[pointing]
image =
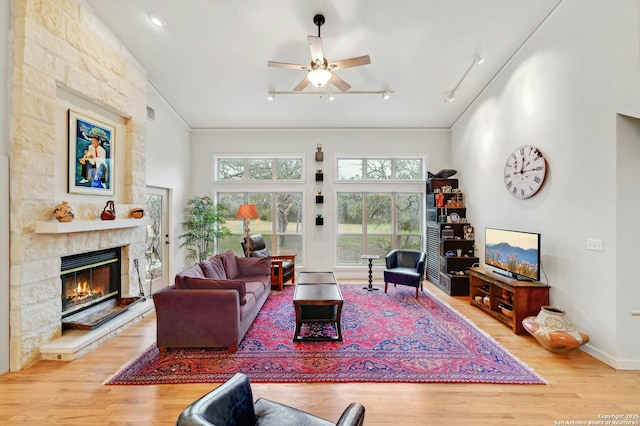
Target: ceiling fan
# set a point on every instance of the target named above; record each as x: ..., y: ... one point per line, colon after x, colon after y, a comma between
x: 320, y: 70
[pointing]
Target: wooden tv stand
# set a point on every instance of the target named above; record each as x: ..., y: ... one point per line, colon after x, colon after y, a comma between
x: 525, y: 298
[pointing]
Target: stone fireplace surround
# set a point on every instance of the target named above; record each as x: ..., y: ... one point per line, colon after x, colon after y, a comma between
x: 63, y: 57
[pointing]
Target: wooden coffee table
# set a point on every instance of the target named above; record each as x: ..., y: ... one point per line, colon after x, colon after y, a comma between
x: 317, y: 298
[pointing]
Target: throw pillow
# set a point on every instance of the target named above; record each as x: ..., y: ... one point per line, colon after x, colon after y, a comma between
x: 216, y: 262
x: 230, y: 265
x: 211, y: 284
x: 207, y: 270
x: 213, y: 268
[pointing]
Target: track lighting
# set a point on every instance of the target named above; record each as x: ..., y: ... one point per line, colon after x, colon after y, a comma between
x: 451, y: 97
x: 330, y: 95
x: 157, y: 20
x: 477, y: 60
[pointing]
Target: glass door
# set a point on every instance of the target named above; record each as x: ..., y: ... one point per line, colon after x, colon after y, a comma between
x: 157, y: 251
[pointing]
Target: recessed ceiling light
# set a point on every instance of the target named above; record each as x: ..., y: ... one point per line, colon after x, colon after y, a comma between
x: 157, y: 20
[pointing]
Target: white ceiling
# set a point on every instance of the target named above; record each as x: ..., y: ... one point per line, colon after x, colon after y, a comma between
x: 210, y: 61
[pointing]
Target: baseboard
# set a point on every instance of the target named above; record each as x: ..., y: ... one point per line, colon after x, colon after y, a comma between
x: 627, y: 364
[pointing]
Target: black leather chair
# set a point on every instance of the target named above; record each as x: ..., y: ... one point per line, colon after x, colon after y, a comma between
x: 283, y: 266
x: 231, y: 404
x: 405, y: 267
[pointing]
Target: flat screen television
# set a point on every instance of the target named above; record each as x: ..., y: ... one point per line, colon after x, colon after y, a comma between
x: 515, y: 254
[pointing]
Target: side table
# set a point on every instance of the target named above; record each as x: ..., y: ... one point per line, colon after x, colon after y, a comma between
x: 370, y: 258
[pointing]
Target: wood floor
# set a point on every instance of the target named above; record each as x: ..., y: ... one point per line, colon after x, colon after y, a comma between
x: 580, y: 388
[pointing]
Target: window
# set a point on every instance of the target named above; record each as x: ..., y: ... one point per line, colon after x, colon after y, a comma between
x: 280, y: 221
x: 279, y: 204
x: 385, y: 210
x: 376, y: 169
x: 259, y: 169
x: 375, y: 223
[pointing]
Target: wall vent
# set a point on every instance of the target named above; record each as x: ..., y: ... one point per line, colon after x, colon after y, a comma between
x: 151, y: 113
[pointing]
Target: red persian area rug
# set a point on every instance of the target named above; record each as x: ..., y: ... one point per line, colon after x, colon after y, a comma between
x: 387, y: 338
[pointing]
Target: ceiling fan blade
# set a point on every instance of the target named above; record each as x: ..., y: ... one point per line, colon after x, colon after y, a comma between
x: 304, y: 83
x: 315, y: 47
x: 350, y: 63
x: 287, y: 65
x: 339, y: 83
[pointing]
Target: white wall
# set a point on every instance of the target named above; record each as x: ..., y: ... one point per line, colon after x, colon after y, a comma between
x: 320, y: 243
x: 4, y: 190
x: 168, y: 155
x: 562, y: 93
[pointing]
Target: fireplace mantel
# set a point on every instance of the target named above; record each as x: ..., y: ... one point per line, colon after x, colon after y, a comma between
x: 88, y: 225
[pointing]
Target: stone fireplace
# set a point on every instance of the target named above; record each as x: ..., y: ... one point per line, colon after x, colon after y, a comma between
x: 64, y: 58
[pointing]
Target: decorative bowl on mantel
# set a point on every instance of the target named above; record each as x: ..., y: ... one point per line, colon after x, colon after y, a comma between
x: 137, y: 213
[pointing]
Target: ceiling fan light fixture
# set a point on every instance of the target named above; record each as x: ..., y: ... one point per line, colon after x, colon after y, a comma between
x: 319, y: 77
x: 157, y: 20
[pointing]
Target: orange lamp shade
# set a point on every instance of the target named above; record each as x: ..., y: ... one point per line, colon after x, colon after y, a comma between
x: 247, y: 211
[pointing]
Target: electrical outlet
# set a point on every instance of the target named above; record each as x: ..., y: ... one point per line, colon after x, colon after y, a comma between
x: 596, y: 245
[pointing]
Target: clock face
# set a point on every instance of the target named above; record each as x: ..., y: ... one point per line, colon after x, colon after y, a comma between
x: 524, y: 171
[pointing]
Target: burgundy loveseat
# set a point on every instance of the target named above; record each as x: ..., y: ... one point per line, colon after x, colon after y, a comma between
x: 212, y: 303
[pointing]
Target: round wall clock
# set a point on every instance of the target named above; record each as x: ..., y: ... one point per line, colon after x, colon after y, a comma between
x: 524, y: 171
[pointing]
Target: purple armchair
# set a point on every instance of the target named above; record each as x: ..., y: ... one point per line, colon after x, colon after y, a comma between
x: 405, y: 267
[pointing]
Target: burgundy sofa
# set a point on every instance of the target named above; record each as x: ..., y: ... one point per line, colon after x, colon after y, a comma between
x: 213, y: 303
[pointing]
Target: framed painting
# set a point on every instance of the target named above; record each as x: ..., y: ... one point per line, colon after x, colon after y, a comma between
x: 91, y: 155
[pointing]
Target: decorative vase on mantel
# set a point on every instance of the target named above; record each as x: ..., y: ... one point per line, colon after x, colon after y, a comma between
x: 63, y: 212
x: 553, y: 331
x: 109, y: 211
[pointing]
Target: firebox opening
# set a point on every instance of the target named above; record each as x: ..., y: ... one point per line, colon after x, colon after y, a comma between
x: 89, y: 279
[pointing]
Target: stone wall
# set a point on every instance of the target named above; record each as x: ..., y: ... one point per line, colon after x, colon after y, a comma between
x: 61, y: 47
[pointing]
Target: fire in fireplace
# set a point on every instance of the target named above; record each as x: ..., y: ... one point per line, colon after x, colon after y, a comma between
x: 89, y: 279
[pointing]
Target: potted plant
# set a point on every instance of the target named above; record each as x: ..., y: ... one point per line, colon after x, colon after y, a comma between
x: 203, y: 223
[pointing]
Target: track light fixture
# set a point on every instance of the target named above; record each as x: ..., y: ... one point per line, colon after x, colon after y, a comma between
x: 451, y: 97
x: 477, y: 60
x: 331, y: 95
